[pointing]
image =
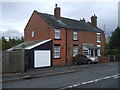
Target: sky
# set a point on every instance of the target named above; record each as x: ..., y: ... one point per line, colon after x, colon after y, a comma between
x: 15, y: 14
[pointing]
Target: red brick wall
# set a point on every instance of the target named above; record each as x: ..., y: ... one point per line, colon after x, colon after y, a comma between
x: 104, y: 59
x: 43, y: 32
x: 83, y: 37
x: 62, y: 60
x: 39, y: 26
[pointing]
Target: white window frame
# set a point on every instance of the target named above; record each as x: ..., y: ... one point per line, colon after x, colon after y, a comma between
x: 75, y: 50
x: 75, y: 35
x: 98, y: 51
x: 57, y: 33
x: 56, y: 51
x: 33, y: 34
x: 98, y: 37
x: 86, y: 52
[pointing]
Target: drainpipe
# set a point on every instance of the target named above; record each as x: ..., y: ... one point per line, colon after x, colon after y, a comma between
x: 66, y: 47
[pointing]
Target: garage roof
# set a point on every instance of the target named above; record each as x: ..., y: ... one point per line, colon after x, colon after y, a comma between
x: 29, y: 45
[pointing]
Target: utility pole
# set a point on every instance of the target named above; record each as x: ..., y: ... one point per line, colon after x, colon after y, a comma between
x: 119, y: 13
x: 104, y: 28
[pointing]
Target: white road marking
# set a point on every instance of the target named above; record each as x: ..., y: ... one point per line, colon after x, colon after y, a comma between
x: 91, y: 81
x: 88, y: 82
x: 96, y: 80
x: 106, y: 77
x: 116, y: 77
x: 70, y: 86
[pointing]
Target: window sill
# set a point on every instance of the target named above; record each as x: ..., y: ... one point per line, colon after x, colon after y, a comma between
x: 75, y: 40
x: 56, y: 39
x: 57, y: 58
x: 99, y: 41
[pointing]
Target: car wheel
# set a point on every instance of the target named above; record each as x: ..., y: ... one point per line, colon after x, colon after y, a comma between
x: 89, y: 62
x: 75, y: 63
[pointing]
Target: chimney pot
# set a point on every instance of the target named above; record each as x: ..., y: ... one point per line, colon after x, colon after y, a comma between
x: 56, y: 5
x: 82, y: 19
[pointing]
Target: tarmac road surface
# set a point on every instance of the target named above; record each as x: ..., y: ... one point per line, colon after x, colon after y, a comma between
x: 99, y: 76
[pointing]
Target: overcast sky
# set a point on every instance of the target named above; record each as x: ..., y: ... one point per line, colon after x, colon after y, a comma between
x: 15, y: 15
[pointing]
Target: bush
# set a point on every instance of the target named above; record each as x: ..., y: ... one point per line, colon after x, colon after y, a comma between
x: 111, y: 52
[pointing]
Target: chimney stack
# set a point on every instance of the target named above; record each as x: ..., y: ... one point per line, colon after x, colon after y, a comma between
x: 57, y: 12
x: 94, y: 20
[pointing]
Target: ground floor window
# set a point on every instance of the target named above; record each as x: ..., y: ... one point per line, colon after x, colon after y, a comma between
x: 75, y: 50
x: 93, y: 52
x: 56, y: 51
x: 98, y: 51
x: 86, y: 52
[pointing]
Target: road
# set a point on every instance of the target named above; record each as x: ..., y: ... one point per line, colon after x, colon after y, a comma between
x: 99, y: 76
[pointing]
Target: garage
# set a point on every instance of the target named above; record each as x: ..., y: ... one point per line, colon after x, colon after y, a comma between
x: 37, y: 54
x: 40, y: 55
x: 42, y: 58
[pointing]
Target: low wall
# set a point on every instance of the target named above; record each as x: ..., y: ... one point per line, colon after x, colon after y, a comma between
x: 12, y: 62
x: 109, y: 58
x: 104, y: 59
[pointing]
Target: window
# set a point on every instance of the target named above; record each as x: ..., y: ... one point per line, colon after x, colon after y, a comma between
x: 57, y: 33
x: 86, y: 52
x: 75, y: 36
x: 33, y: 33
x: 75, y: 50
x: 98, y: 37
x: 56, y: 51
x: 98, y: 51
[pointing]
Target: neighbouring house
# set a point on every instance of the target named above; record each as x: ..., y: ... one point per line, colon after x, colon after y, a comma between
x: 69, y: 37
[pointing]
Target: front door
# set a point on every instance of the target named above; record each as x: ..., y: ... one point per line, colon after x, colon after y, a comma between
x: 91, y: 52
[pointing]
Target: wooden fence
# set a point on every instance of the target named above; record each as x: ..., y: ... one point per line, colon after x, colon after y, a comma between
x: 12, y: 62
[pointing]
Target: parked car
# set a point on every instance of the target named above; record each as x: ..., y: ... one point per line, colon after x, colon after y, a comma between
x: 84, y: 59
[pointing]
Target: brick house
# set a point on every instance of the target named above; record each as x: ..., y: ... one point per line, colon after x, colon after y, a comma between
x: 69, y: 36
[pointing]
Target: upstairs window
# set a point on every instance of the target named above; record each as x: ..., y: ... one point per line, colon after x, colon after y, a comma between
x: 57, y: 33
x: 75, y: 50
x: 33, y: 33
x: 75, y: 35
x: 56, y: 51
x: 98, y: 37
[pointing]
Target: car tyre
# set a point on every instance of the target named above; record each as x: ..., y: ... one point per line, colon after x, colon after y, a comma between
x: 89, y: 62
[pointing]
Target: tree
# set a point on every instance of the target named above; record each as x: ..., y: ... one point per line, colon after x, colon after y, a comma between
x: 115, y: 39
x: 4, y: 43
x: 114, y: 43
x: 11, y: 42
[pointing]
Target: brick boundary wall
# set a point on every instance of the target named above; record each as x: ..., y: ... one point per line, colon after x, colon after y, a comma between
x: 104, y: 59
x: 107, y: 59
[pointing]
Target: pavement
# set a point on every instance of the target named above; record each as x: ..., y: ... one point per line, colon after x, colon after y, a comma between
x: 48, y: 71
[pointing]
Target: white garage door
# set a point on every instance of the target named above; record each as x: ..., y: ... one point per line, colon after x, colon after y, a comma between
x: 42, y: 58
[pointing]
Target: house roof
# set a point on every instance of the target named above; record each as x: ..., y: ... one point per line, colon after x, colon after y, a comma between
x: 29, y: 45
x: 68, y: 23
